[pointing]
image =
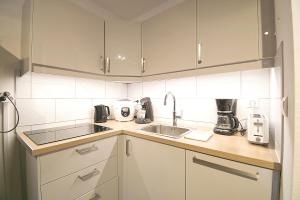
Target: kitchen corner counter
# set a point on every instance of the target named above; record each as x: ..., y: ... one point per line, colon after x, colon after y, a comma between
x: 235, y: 148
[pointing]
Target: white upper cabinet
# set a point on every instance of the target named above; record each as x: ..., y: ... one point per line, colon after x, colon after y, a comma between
x: 59, y: 34
x: 66, y: 36
x: 169, y: 40
x: 123, y: 48
x: 227, y: 32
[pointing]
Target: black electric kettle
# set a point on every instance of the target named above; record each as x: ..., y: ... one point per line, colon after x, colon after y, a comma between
x: 101, y: 113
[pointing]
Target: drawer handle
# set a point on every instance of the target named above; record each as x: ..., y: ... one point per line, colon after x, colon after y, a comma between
x: 226, y: 169
x: 89, y: 175
x: 96, y: 197
x: 86, y: 150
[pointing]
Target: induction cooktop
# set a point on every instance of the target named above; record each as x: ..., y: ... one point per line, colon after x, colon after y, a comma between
x: 45, y: 136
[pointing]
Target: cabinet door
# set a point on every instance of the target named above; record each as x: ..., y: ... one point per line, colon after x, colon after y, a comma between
x: 107, y: 191
x: 123, y: 48
x: 67, y: 36
x: 227, y: 32
x: 169, y: 39
x: 213, y: 178
x: 152, y: 171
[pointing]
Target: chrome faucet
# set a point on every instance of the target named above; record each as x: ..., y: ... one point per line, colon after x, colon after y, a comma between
x: 174, y: 107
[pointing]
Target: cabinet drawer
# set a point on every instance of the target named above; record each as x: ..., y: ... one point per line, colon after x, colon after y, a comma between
x: 62, y: 163
x: 79, y: 183
x: 209, y: 178
x: 107, y: 191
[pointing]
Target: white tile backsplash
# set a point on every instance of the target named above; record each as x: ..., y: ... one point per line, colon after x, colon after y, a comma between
x: 196, y: 95
x: 154, y: 89
x: 225, y: 85
x: 23, y: 85
x: 275, y: 82
x: 84, y: 108
x: 195, y: 109
x: 183, y: 87
x: 36, y: 111
x: 89, y: 88
x: 244, y: 107
x: 49, y: 86
x: 48, y: 100
x: 84, y: 121
x: 255, y: 83
x: 160, y: 110
x: 135, y: 90
x: 72, y: 109
x: 116, y: 90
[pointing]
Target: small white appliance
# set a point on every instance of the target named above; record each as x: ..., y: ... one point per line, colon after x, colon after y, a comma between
x: 258, y: 129
x: 124, y: 110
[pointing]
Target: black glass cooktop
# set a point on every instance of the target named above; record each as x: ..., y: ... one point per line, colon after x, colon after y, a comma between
x: 45, y: 136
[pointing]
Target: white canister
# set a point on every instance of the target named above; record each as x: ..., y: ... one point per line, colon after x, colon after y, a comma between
x: 124, y: 110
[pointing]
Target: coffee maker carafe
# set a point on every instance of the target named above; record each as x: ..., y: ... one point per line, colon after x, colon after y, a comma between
x: 227, y: 122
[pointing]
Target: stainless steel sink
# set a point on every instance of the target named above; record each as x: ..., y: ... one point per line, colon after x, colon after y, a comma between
x: 169, y: 131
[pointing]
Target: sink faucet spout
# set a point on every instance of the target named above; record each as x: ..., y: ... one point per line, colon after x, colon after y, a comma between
x: 174, y: 107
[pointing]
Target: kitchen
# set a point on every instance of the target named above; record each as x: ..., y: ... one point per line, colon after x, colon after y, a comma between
x: 190, y: 98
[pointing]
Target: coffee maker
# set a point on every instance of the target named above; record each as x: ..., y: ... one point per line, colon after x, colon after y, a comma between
x: 146, y: 111
x: 227, y: 123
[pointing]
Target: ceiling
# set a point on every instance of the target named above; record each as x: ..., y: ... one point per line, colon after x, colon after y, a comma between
x: 135, y: 9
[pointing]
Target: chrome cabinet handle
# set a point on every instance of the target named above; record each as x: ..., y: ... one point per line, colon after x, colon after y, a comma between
x: 96, y: 197
x: 143, y: 61
x: 107, y: 64
x: 199, y: 48
x: 229, y: 170
x: 285, y: 106
x: 127, y: 147
x: 89, y: 175
x: 86, y: 150
x: 102, y: 64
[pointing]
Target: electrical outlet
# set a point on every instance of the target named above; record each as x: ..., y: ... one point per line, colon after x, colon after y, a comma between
x: 254, y: 103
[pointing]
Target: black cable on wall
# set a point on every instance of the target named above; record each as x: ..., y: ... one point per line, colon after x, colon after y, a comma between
x: 3, y: 97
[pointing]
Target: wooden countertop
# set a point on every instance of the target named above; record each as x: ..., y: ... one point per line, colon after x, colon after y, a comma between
x: 236, y: 147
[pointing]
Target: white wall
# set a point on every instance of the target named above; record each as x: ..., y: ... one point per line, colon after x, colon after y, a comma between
x: 8, y: 142
x: 276, y: 117
x: 296, y: 37
x: 10, y: 37
x: 49, y: 100
x: 196, y: 95
x: 284, y: 32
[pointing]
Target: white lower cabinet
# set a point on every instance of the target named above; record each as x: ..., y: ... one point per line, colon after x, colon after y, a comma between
x: 139, y: 169
x: 212, y: 178
x: 75, y: 185
x: 151, y: 171
x: 77, y: 172
x: 107, y: 191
